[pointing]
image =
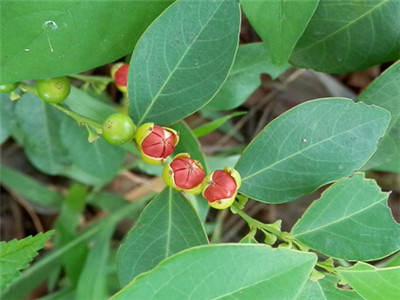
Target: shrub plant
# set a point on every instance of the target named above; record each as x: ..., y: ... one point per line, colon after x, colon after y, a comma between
x: 171, y: 60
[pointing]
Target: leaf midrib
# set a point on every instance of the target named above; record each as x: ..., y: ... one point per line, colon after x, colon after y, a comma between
x: 345, y: 27
x: 383, y: 197
x: 154, y: 100
x: 306, y: 148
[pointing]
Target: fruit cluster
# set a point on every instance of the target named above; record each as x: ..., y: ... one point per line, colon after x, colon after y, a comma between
x: 155, y: 143
x: 183, y: 173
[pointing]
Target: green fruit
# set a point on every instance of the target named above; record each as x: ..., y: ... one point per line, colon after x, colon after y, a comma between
x: 54, y: 90
x: 118, y: 129
x: 8, y: 87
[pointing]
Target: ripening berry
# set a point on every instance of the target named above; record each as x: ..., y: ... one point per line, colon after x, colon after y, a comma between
x: 220, y: 187
x: 184, y: 173
x: 119, y: 73
x: 53, y: 90
x: 156, y: 143
x: 118, y: 129
x: 8, y: 87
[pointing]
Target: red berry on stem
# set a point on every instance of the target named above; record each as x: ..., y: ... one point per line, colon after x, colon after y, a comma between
x: 184, y: 173
x: 119, y: 72
x: 156, y: 143
x: 220, y: 187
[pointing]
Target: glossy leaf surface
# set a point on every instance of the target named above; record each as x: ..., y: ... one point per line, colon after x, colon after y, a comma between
x: 310, y: 145
x: 349, y: 35
x: 42, y: 39
x: 364, y: 223
x: 279, y: 23
x: 384, y: 92
x: 244, y: 78
x: 182, y: 60
x: 371, y: 282
x: 167, y: 225
x: 224, y: 272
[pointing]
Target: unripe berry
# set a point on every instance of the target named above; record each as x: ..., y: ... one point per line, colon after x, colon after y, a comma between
x: 184, y: 173
x: 8, y: 87
x: 220, y: 187
x: 156, y: 143
x: 53, y: 90
x: 118, y: 129
x: 119, y: 73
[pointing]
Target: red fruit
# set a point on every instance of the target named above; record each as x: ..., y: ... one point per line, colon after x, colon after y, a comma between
x: 119, y: 72
x: 156, y: 143
x: 184, y: 173
x: 221, y: 186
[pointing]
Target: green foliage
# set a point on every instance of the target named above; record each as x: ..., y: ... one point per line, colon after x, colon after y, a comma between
x: 29, y: 188
x: 310, y: 145
x: 167, y: 225
x: 214, y: 125
x: 212, y: 272
x: 384, y: 92
x: 93, y: 280
x: 40, y: 126
x: 349, y: 35
x: 41, y: 270
x: 178, y: 65
x: 6, y: 117
x: 185, y: 56
x: 326, y: 229
x: 100, y: 159
x: 371, y: 282
x: 42, y: 39
x: 244, y: 78
x: 16, y: 256
x: 279, y: 23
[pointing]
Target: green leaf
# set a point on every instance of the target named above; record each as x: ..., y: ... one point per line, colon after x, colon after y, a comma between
x: 40, y: 125
x: 93, y: 280
x: 84, y: 104
x: 42, y: 269
x: 182, y: 60
x: 99, y: 158
x: 166, y: 226
x: 244, y: 78
x: 222, y: 272
x: 349, y: 35
x: 16, y: 255
x: 66, y: 226
x: 373, y: 283
x: 384, y: 92
x: 326, y: 288
x: 53, y: 38
x: 279, y: 23
x: 214, y: 125
x: 313, y: 144
x: 29, y: 188
x: 355, y: 203
x: 7, y: 121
